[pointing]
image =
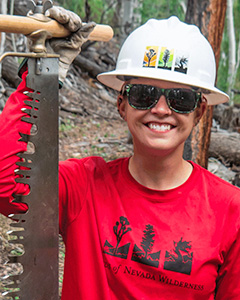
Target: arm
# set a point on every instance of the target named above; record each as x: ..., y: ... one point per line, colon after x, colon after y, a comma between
x: 10, y: 120
x: 10, y: 128
x: 228, y: 281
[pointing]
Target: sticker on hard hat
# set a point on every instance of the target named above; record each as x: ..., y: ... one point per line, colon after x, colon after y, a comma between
x: 168, y: 59
x: 150, y: 57
x: 181, y: 61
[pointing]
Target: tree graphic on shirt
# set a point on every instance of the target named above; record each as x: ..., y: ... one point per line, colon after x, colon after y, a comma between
x: 120, y: 229
x: 180, y: 258
x: 145, y: 255
x: 147, y: 240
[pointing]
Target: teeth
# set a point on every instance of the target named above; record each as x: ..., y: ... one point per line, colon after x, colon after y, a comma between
x: 159, y: 127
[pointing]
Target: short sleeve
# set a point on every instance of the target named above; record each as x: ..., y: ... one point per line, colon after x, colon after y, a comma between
x: 72, y: 189
x: 228, y: 281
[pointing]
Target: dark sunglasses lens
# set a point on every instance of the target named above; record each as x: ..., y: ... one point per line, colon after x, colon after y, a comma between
x: 143, y: 96
x: 182, y: 100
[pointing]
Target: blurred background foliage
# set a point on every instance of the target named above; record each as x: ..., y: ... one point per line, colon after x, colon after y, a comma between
x: 112, y: 12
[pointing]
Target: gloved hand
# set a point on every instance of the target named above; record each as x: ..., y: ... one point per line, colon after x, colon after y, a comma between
x: 68, y: 48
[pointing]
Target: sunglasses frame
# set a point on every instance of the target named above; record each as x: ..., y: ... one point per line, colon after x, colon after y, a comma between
x: 165, y: 92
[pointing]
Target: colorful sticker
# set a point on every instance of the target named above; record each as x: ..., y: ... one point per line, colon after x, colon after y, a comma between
x: 181, y: 62
x: 166, y: 58
x: 150, y: 57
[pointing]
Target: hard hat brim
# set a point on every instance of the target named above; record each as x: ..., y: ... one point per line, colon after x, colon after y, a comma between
x: 212, y: 94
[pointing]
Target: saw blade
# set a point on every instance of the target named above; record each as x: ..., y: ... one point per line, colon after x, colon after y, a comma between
x: 38, y: 228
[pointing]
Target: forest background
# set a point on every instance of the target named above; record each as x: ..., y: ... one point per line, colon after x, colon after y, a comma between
x: 89, y: 122
x: 126, y: 15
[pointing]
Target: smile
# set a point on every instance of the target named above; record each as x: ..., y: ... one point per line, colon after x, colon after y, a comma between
x: 159, y: 127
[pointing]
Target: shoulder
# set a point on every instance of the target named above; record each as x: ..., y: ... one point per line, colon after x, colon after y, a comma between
x: 220, y: 191
x: 213, y: 180
x: 91, y: 164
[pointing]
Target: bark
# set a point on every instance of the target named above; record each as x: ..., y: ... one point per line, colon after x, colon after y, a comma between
x: 206, y: 14
x: 231, y: 49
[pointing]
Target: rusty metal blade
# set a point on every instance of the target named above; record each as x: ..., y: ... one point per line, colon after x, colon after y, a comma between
x: 39, y: 226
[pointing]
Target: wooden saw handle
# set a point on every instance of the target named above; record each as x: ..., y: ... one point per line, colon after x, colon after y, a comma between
x: 26, y: 25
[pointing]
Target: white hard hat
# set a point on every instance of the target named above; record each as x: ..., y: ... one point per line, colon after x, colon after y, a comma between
x: 167, y: 50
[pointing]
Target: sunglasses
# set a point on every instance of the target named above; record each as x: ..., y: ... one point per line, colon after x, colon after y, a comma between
x: 142, y: 96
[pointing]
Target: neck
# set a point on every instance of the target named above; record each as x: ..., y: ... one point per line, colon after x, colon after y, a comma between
x: 159, y: 172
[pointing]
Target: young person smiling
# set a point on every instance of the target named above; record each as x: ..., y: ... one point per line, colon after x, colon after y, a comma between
x: 152, y: 226
x: 159, y: 134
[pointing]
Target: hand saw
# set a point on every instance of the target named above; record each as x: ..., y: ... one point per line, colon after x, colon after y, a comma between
x: 37, y: 230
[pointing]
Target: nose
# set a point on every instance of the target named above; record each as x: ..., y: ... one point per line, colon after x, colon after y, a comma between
x: 161, y: 107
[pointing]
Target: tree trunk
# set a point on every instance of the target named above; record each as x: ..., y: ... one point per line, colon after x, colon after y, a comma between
x: 3, y: 10
x: 128, y: 17
x: 231, y: 49
x: 206, y: 14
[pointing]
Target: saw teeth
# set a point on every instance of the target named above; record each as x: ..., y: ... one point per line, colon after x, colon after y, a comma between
x: 18, y: 200
x: 25, y: 156
x: 33, y: 104
x: 30, y: 120
x: 25, y: 164
x: 23, y: 180
x: 17, y: 217
x: 13, y: 259
x: 19, y: 237
x: 24, y: 137
x: 18, y: 224
x: 29, y: 94
x: 33, y: 95
x: 14, y: 295
x: 26, y: 110
x: 14, y: 281
x: 25, y: 173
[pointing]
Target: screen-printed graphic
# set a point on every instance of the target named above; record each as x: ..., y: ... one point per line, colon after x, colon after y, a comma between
x: 180, y: 258
x: 145, y: 255
x: 166, y: 58
x: 181, y: 62
x: 150, y: 57
x: 120, y: 229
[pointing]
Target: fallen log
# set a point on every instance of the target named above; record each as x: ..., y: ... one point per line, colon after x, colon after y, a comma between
x: 88, y: 66
x: 225, y: 146
x: 227, y: 116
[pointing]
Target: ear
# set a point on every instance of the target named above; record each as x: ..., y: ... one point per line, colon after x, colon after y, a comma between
x: 121, y: 105
x: 198, y: 113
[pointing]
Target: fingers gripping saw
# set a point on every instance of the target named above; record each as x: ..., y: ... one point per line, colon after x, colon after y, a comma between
x: 40, y: 27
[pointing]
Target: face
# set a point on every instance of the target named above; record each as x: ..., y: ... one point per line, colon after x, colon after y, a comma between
x: 159, y: 130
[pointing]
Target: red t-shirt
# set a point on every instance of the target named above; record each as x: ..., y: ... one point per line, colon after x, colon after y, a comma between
x: 125, y: 241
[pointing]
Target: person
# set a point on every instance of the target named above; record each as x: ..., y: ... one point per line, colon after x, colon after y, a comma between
x: 149, y: 226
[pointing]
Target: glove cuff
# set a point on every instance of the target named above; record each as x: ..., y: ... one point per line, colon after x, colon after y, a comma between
x: 22, y: 67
